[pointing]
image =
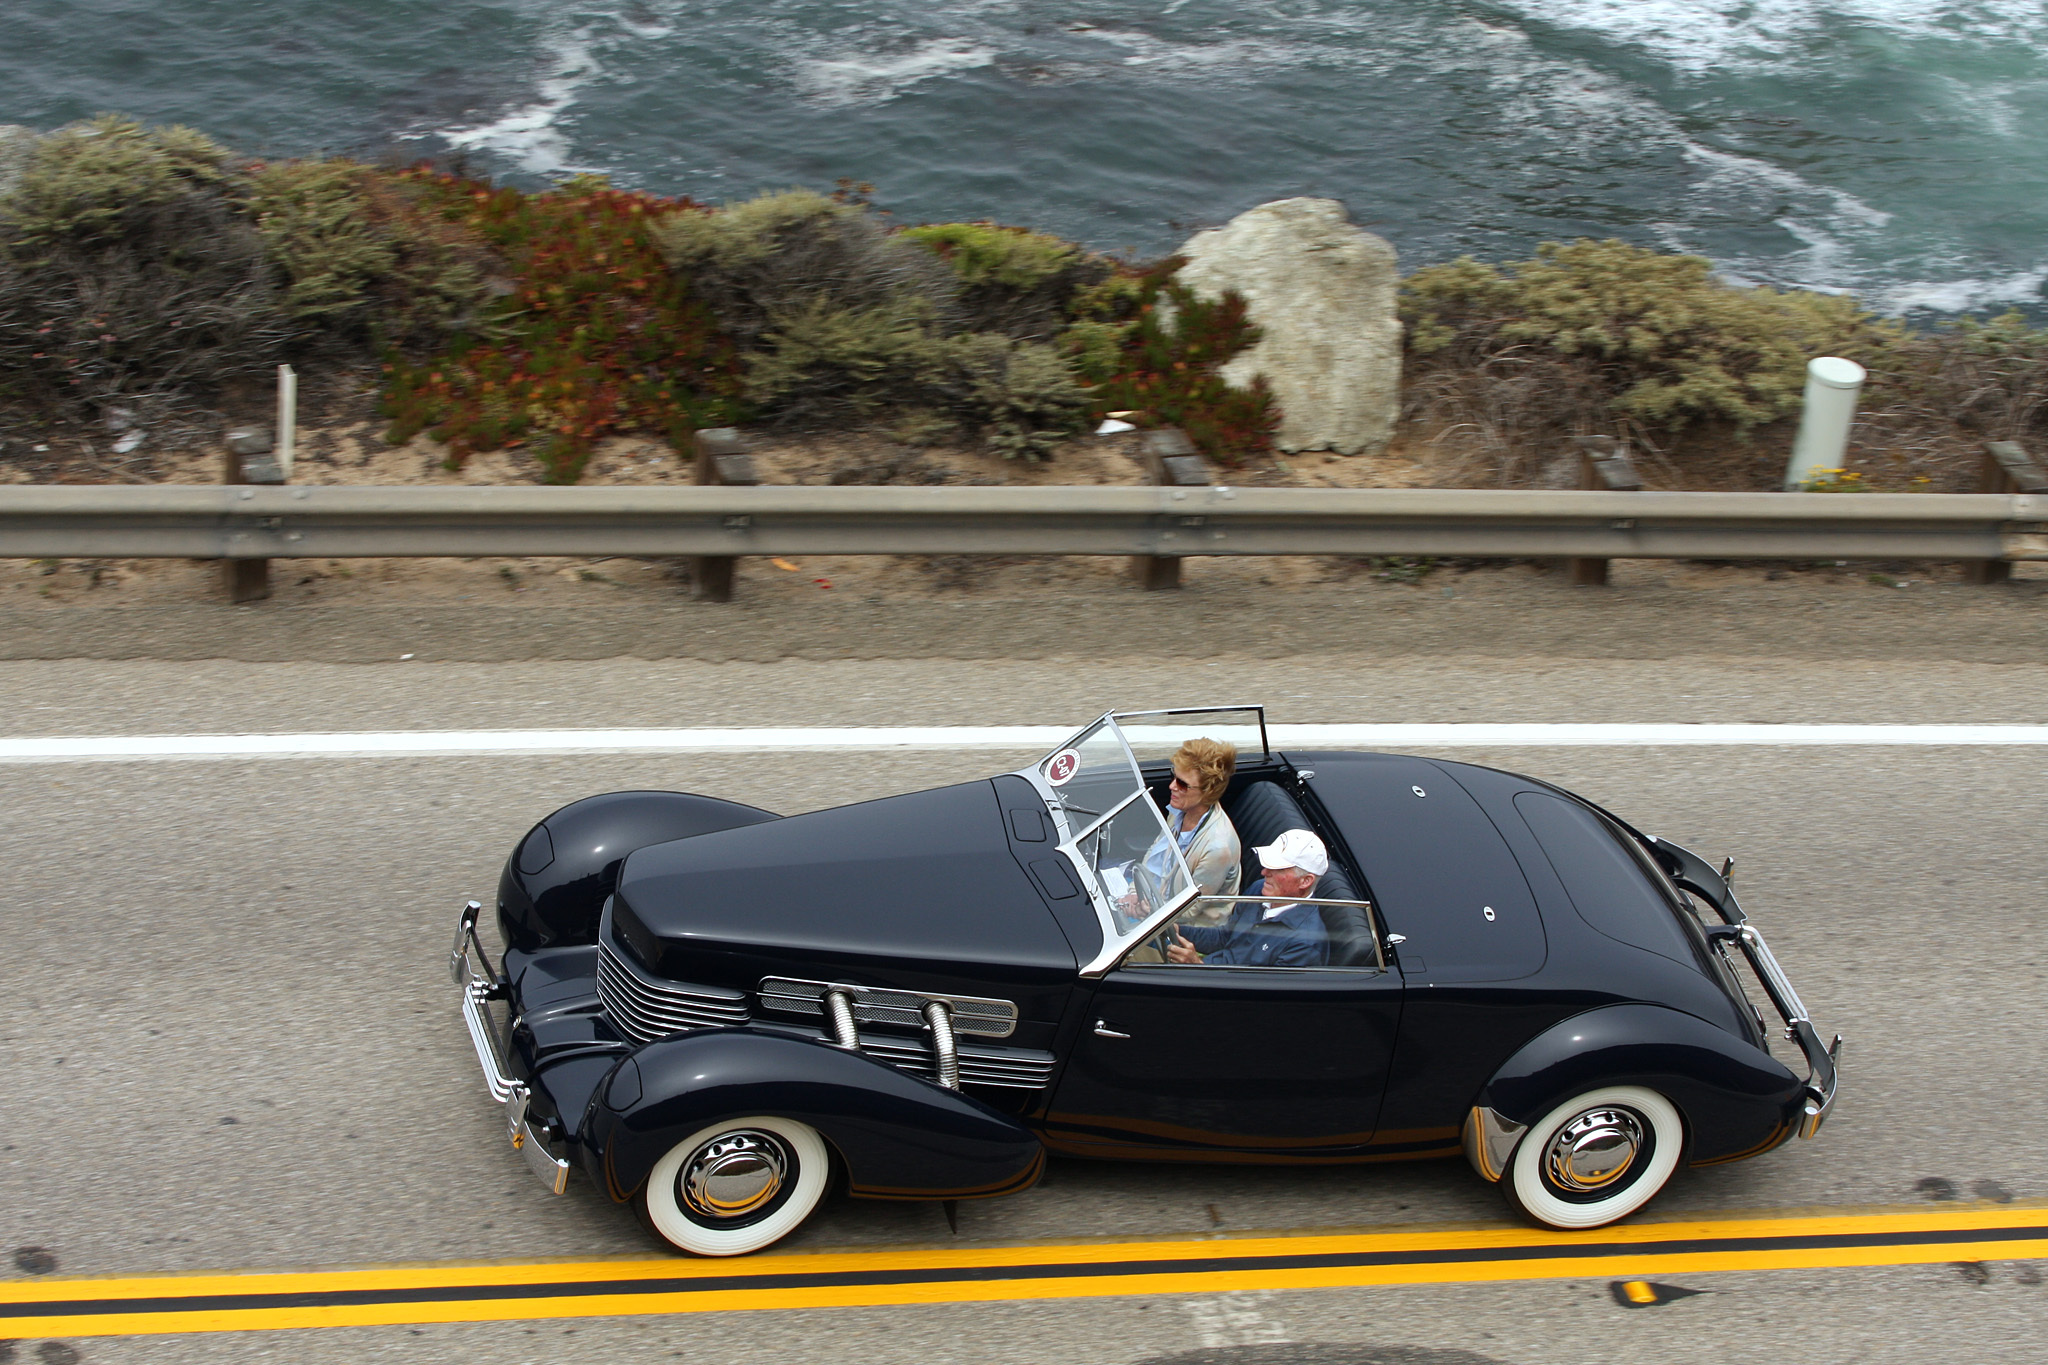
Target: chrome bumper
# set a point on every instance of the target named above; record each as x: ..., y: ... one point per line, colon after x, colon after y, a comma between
x: 1820, y: 1061
x: 1695, y: 874
x: 479, y: 988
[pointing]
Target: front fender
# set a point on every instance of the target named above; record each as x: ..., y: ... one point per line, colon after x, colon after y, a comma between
x: 901, y: 1137
x: 555, y: 883
x: 1737, y: 1100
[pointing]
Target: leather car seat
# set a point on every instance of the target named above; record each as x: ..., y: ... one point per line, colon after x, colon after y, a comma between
x: 1261, y: 813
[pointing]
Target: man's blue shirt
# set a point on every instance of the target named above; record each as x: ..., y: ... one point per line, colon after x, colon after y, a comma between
x: 1293, y: 938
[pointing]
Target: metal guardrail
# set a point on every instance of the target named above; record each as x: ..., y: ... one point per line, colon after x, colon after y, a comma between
x: 284, y: 522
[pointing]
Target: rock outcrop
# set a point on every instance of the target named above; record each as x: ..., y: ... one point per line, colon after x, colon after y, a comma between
x: 1324, y: 291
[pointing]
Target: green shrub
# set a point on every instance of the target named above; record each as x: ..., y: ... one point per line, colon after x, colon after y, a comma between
x: 103, y: 178
x: 1610, y: 338
x: 129, y: 272
x: 985, y: 253
x: 1665, y: 340
x: 822, y: 362
x: 763, y: 263
x: 738, y: 236
x: 367, y: 255
x: 840, y: 319
x: 1151, y: 344
x: 1024, y: 393
x: 1012, y: 280
x: 314, y: 217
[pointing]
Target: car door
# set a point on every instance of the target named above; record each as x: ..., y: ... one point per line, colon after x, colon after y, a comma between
x: 1199, y: 1060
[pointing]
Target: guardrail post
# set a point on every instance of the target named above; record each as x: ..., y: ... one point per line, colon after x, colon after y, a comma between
x: 2006, y: 469
x: 1171, y: 461
x: 1603, y: 467
x: 250, y: 459
x: 722, y: 458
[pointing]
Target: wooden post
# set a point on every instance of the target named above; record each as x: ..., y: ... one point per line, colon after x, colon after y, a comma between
x: 2006, y: 469
x: 722, y: 458
x: 1171, y: 461
x: 249, y: 460
x: 1604, y: 467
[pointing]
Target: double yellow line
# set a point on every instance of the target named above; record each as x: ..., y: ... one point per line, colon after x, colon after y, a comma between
x: 264, y: 1301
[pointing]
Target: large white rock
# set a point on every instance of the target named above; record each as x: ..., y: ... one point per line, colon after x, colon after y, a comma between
x: 1324, y: 290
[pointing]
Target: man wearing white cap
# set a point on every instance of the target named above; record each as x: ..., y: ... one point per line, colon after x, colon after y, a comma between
x: 1269, y: 933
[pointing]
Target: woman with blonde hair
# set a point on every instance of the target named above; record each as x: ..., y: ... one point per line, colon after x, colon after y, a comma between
x: 1202, y: 769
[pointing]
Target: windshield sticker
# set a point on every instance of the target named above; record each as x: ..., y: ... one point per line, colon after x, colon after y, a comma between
x: 1061, y: 767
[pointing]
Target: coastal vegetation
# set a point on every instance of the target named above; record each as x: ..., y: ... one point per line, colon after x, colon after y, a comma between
x: 129, y: 268
x: 1605, y: 337
x: 147, y: 269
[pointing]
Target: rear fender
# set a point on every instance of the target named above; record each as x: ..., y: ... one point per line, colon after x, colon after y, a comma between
x: 1737, y: 1100
x: 901, y: 1137
x: 556, y: 881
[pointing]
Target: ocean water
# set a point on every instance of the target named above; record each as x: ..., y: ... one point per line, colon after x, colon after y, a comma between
x: 1897, y: 149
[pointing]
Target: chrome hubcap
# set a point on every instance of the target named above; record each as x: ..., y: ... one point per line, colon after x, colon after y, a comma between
x: 733, y: 1175
x: 1594, y: 1150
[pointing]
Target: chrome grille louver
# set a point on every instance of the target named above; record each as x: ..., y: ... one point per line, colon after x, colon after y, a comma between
x: 646, y: 1007
x: 973, y: 1014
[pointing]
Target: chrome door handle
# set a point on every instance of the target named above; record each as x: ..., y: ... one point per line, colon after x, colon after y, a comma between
x: 1103, y: 1030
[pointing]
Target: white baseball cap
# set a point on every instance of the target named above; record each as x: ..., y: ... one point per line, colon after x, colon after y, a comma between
x: 1296, y: 848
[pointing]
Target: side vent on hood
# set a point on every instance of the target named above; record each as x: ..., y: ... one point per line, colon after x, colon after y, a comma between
x: 971, y: 1014
x: 644, y: 1007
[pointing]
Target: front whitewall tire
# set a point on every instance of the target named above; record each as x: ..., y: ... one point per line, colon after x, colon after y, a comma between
x: 806, y: 1171
x: 1541, y: 1172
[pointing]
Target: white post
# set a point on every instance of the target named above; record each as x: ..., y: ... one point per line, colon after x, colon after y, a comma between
x: 287, y: 417
x: 1832, y: 385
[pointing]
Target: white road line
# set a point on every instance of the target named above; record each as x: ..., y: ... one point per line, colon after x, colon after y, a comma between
x: 1022, y: 738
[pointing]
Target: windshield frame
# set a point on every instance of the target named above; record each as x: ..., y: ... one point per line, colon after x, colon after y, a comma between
x: 1117, y: 943
x: 1258, y: 709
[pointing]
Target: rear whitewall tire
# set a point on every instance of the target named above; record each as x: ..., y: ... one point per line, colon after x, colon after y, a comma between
x: 806, y: 1174
x: 1532, y: 1183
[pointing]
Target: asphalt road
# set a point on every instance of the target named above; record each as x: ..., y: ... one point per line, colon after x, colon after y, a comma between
x: 227, y: 1039
x: 958, y: 607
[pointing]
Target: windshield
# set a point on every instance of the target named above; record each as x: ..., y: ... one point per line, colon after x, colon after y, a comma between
x: 1091, y: 775
x: 1136, y: 863
x: 1137, y: 870
x: 1154, y: 735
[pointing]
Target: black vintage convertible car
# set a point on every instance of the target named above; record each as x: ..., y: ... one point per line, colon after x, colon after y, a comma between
x: 719, y: 1013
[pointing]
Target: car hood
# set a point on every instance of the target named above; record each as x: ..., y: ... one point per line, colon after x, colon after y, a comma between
x: 916, y: 892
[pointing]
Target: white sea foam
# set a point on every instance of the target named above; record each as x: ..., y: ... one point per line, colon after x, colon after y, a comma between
x: 528, y: 135
x: 1702, y: 35
x: 1963, y: 296
x: 1728, y: 171
x: 871, y: 77
x: 1590, y: 112
x: 1989, y: 105
x: 1209, y: 56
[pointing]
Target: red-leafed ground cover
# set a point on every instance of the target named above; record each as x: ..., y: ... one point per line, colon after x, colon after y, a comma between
x: 596, y: 335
